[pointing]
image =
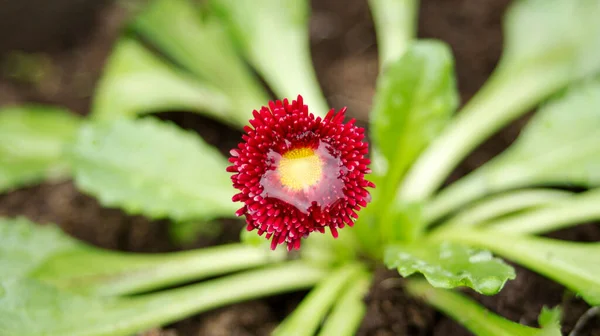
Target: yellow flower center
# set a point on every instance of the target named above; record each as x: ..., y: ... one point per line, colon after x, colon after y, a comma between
x: 300, y: 169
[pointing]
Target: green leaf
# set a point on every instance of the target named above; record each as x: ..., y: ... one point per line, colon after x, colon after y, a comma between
x: 449, y: 265
x: 26, y: 247
x: 402, y: 221
x: 47, y: 254
x: 479, y: 320
x: 307, y: 317
x: 136, y: 82
x: 415, y: 100
x: 416, y: 96
x: 348, y: 312
x: 152, y: 168
x: 572, y: 264
x: 32, y: 139
x: 504, y: 204
x: 559, y: 146
x: 550, y: 317
x: 199, y: 42
x: 548, y: 45
x: 273, y: 34
x: 324, y: 249
x: 577, y: 209
x: 561, y: 36
x: 31, y: 308
x: 395, y: 25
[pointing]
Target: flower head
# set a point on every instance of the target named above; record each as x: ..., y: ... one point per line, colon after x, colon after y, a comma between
x: 297, y: 174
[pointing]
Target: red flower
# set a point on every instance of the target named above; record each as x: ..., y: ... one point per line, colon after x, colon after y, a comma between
x: 297, y: 173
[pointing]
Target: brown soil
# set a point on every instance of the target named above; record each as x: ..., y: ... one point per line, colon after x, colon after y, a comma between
x: 72, y: 39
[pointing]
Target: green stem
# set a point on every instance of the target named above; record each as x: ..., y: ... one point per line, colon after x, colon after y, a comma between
x: 135, y: 81
x: 579, y: 209
x: 396, y: 25
x: 363, y: 230
x: 508, y: 94
x: 495, y: 176
x: 203, y: 47
x: 497, y: 206
x: 307, y: 317
x: 166, y: 307
x: 348, y: 312
x: 274, y: 37
x: 467, y: 312
x: 110, y: 273
x: 389, y: 211
x: 458, y: 194
x: 290, y: 71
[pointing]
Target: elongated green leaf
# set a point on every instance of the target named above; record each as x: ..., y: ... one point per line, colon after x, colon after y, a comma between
x: 395, y: 25
x: 577, y: 209
x: 32, y: 139
x: 559, y: 35
x: 307, y: 317
x: 26, y: 247
x: 400, y: 221
x: 326, y: 250
x: 559, y: 146
x: 200, y: 43
x: 47, y: 254
x: 574, y: 265
x: 349, y: 310
x: 31, y: 308
x: 273, y: 34
x: 136, y: 82
x: 416, y: 96
x: 152, y: 168
x: 109, y: 273
x: 549, y: 44
x: 479, y: 320
x: 449, y: 265
x: 490, y: 208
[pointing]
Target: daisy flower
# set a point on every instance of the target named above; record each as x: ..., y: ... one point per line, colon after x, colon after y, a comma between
x: 297, y: 174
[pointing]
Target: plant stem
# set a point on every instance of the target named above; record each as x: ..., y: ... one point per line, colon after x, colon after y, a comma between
x: 307, y: 317
x: 173, y: 305
x: 365, y: 230
x: 350, y: 309
x: 467, y: 312
x: 135, y: 81
x: 396, y: 24
x: 497, y: 206
x: 495, y: 176
x: 274, y: 36
x: 451, y: 198
x: 579, y: 209
x: 508, y: 94
x: 290, y: 72
x: 205, y: 49
x: 109, y: 273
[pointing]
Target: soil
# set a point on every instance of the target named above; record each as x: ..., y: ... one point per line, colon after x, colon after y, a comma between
x: 69, y: 40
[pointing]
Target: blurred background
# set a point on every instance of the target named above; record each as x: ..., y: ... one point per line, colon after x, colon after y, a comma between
x: 53, y: 52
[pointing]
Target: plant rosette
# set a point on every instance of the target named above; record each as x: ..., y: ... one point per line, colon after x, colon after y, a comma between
x: 304, y: 178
